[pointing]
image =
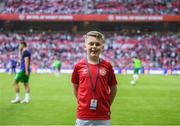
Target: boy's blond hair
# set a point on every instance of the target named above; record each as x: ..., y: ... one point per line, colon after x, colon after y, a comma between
x: 95, y: 34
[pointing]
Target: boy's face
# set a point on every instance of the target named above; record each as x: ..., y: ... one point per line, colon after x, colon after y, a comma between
x: 93, y: 46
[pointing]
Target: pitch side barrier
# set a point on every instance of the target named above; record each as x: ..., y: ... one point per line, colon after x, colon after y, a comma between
x: 156, y: 71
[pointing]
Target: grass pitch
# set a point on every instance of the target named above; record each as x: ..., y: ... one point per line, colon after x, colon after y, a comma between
x: 155, y: 100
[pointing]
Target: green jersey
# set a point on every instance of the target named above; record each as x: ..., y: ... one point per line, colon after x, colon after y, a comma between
x: 137, y: 63
x: 56, y: 64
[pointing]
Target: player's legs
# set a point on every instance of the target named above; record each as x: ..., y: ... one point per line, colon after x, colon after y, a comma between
x: 27, y: 92
x: 56, y: 71
x: 136, y: 73
x: 17, y: 79
x: 135, y: 76
x: 27, y: 89
x: 14, y: 70
x: 59, y: 69
x: 11, y: 70
x: 17, y: 90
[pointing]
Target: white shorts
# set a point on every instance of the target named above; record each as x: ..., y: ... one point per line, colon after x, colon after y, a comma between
x: 80, y: 122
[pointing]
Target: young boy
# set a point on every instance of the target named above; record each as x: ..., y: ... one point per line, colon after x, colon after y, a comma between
x: 23, y: 74
x: 94, y: 84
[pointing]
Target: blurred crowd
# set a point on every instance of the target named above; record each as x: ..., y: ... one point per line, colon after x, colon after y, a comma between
x: 161, y: 7
x: 156, y: 50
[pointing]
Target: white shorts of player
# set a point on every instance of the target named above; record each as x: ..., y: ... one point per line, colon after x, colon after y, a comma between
x: 80, y: 122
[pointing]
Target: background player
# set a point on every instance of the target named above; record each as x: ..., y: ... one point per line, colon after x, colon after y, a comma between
x: 23, y: 74
x: 13, y: 65
x: 56, y: 66
x: 137, y: 67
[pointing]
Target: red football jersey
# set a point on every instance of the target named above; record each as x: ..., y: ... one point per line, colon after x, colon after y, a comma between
x: 106, y: 79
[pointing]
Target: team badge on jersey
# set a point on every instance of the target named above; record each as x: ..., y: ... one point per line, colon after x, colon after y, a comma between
x: 102, y: 72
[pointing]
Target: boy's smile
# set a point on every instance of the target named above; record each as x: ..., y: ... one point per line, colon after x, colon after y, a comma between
x: 93, y: 51
x: 93, y: 46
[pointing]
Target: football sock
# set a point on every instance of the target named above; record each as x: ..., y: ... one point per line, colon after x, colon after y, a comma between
x: 17, y: 95
x: 27, y: 96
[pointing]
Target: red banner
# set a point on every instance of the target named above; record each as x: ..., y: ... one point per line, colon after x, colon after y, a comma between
x: 90, y: 17
x: 9, y: 17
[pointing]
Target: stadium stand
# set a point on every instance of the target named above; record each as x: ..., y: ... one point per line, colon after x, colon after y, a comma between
x: 159, y: 48
x: 156, y: 50
x: 157, y: 7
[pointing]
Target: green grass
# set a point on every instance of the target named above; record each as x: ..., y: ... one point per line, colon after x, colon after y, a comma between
x: 155, y: 100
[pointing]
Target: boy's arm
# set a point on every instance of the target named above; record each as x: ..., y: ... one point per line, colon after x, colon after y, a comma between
x: 75, y: 89
x: 113, y: 91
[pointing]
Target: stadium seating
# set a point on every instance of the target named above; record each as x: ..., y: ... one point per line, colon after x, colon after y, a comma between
x: 156, y: 50
x: 161, y: 7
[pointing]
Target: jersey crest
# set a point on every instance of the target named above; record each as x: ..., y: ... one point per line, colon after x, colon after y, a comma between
x: 102, y: 72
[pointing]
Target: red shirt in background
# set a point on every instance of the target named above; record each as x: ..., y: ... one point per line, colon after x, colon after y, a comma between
x: 106, y: 79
